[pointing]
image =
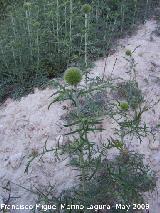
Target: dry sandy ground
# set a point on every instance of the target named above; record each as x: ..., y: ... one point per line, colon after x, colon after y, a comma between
x: 26, y: 124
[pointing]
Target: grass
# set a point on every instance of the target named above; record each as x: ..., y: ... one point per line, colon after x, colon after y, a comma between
x: 40, y: 39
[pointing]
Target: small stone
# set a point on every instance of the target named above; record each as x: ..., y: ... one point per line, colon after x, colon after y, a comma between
x: 154, y: 145
x: 16, y: 160
x: 156, y: 160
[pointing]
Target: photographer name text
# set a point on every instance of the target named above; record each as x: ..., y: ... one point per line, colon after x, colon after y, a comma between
x: 74, y: 207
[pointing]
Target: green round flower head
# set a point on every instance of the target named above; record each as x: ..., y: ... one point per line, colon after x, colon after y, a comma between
x: 27, y: 4
x: 86, y: 8
x: 36, y: 24
x: 73, y: 76
x: 128, y: 52
x: 124, y: 106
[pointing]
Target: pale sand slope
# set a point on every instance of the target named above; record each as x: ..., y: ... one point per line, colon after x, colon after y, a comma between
x: 25, y: 125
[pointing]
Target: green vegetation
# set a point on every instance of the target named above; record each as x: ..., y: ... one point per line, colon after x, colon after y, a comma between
x: 73, y: 76
x: 100, y: 179
x: 124, y: 106
x: 39, y: 39
x: 118, y: 181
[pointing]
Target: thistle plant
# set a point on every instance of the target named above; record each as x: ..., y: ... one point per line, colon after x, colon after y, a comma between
x: 73, y: 76
x: 132, y: 65
x: 97, y: 175
x: 132, y: 83
x: 131, y: 124
x: 81, y: 125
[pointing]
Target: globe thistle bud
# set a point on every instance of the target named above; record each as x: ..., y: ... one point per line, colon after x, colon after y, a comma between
x: 128, y: 53
x: 86, y: 8
x: 124, y: 106
x: 27, y: 5
x: 73, y: 76
x: 36, y: 24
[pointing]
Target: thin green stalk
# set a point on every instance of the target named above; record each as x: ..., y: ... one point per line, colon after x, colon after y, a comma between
x: 65, y: 18
x: 14, y: 56
x: 97, y: 11
x: 135, y: 11
x: 70, y: 24
x: 29, y: 30
x: 38, y: 43
x: 86, y: 39
x: 122, y: 16
x: 3, y: 54
x: 53, y: 26
x: 38, y: 50
x: 81, y: 159
x: 81, y: 156
x: 57, y: 15
x: 14, y: 32
x: 13, y: 25
x: 106, y: 27
x: 146, y: 9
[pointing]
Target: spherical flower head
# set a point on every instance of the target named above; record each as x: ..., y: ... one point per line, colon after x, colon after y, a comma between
x: 73, y: 76
x: 124, y: 106
x: 86, y: 8
x: 128, y: 53
x: 27, y: 4
x: 36, y: 24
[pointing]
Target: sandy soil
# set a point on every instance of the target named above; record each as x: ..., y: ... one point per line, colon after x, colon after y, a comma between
x: 26, y: 124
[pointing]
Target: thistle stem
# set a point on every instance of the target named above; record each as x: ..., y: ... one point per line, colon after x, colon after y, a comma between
x: 70, y: 25
x: 86, y: 29
x: 29, y: 30
x: 57, y: 15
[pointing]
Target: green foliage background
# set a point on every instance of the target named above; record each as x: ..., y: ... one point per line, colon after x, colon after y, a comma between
x: 39, y: 39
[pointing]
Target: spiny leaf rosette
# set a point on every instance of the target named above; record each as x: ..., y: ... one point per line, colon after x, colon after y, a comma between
x: 73, y: 76
x: 86, y: 8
